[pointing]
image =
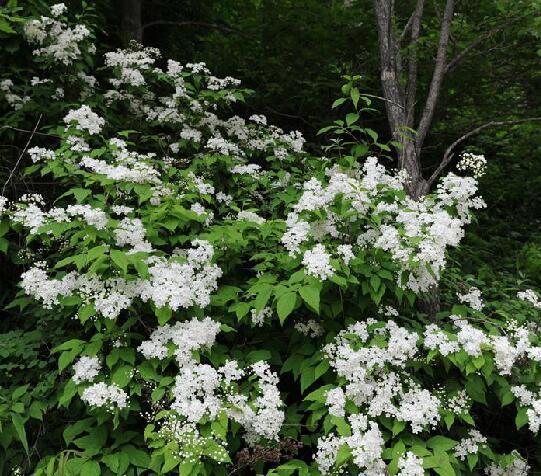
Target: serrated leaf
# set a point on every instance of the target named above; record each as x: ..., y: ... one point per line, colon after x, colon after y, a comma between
x: 285, y: 305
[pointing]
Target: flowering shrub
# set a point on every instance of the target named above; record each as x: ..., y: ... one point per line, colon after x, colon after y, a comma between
x: 227, y: 301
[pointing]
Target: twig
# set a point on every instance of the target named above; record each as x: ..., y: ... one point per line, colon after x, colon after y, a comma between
x: 216, y: 26
x: 22, y: 153
x: 448, y: 155
x: 33, y: 132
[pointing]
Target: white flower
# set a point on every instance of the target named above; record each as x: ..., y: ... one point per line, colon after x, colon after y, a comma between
x: 102, y: 395
x: 86, y: 369
x: 317, y: 262
x: 472, y: 298
x: 530, y: 296
x: 85, y: 120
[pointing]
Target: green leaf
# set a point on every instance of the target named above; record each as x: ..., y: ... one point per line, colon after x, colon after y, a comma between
x: 355, y: 96
x: 285, y: 305
x: 18, y: 423
x: 441, y: 443
x: 137, y: 457
x: 352, y: 118
x: 163, y: 314
x: 120, y: 259
x: 338, y: 102
x: 90, y: 468
x: 310, y: 295
x: 522, y: 418
x: 343, y: 455
x: 122, y: 376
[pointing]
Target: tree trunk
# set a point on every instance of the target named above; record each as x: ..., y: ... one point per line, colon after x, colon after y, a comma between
x: 131, y: 24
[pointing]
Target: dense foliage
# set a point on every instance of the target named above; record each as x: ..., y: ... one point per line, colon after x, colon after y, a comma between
x: 194, y: 293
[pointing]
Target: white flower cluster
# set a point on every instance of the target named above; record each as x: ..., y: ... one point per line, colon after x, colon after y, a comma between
x: 472, y: 298
x: 250, y: 216
x: 126, y: 166
x: 410, y: 465
x: 415, y: 233
x: 30, y: 215
x: 85, y: 120
x: 533, y: 402
x: 86, y: 369
x: 201, y: 390
x: 518, y: 467
x: 187, y: 279
x: 530, y: 296
x: 39, y: 154
x: 131, y: 232
x: 469, y: 445
x: 317, y: 262
x: 131, y: 64
x: 370, y: 382
x: 14, y: 100
x: 56, y: 39
x: 309, y: 328
x: 102, y: 395
x: 366, y: 444
x: 379, y: 380
x: 473, y: 163
x: 258, y: 318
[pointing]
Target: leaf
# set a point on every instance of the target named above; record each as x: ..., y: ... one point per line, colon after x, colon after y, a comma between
x: 18, y: 423
x: 122, y: 376
x: 310, y: 295
x: 352, y: 118
x: 285, y: 305
x: 163, y: 314
x: 343, y: 455
x: 137, y: 457
x: 476, y: 388
x: 522, y: 418
x: 120, y: 259
x: 338, y: 102
x: 263, y: 297
x: 355, y: 96
x: 90, y: 468
x: 441, y: 443
x: 5, y: 26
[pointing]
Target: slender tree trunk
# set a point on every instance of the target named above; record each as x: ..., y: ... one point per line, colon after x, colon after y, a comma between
x: 131, y: 24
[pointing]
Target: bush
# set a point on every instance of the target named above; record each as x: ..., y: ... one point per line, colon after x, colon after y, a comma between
x: 218, y: 301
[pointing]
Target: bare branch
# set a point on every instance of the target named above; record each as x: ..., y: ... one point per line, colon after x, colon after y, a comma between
x: 31, y: 132
x: 216, y: 26
x: 407, y: 28
x: 411, y: 93
x: 437, y: 76
x: 480, y: 39
x: 22, y: 153
x: 448, y: 155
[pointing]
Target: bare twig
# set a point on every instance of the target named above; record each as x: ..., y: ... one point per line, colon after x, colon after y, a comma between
x: 22, y: 153
x: 474, y: 44
x: 437, y: 76
x: 411, y: 92
x: 216, y: 26
x: 448, y: 155
x: 32, y: 132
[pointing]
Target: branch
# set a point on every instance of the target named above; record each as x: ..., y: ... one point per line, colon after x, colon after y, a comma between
x: 411, y: 94
x: 448, y: 155
x: 389, y: 65
x: 31, y: 132
x: 437, y: 76
x: 216, y: 26
x: 22, y: 153
x: 406, y: 28
x: 487, y: 34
